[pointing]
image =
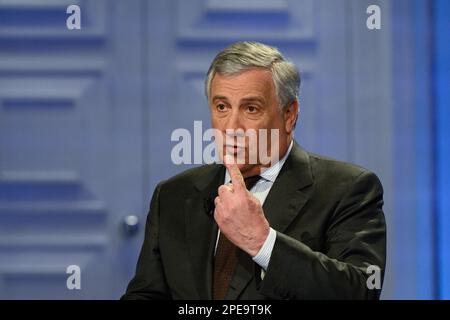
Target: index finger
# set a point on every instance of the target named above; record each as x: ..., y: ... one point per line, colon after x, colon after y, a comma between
x: 236, y: 176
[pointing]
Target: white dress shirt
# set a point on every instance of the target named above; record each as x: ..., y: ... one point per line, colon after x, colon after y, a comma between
x: 260, y: 190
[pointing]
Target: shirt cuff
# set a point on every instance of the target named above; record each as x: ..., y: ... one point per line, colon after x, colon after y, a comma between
x: 262, y: 258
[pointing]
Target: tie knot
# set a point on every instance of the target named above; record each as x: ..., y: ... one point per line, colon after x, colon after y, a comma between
x: 251, y: 181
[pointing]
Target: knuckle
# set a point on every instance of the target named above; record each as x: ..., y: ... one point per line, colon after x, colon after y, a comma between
x: 223, y: 189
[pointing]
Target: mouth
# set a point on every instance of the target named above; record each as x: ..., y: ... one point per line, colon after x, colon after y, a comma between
x: 233, y: 149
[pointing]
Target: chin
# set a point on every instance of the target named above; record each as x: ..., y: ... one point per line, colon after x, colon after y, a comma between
x: 248, y: 169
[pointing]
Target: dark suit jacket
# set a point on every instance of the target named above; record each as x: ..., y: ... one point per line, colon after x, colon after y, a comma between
x: 330, y: 228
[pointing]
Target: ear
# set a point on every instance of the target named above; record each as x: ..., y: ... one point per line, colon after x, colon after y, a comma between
x: 290, y: 116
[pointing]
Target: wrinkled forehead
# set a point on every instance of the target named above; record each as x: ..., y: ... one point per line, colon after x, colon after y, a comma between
x: 247, y: 84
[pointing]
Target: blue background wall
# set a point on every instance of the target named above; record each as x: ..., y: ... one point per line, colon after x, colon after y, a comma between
x: 86, y: 118
x: 441, y: 93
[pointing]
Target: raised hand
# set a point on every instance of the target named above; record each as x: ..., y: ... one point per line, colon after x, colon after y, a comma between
x: 239, y: 214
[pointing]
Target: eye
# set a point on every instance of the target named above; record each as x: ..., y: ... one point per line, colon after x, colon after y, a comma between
x: 252, y: 109
x: 221, y: 107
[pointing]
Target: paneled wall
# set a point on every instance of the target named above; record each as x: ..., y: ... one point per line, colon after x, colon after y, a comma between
x: 70, y: 105
x: 86, y: 118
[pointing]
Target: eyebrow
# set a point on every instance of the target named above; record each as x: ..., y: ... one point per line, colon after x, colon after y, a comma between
x: 246, y: 99
x: 219, y: 98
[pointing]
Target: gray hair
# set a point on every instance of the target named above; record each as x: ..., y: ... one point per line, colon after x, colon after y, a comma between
x: 243, y: 56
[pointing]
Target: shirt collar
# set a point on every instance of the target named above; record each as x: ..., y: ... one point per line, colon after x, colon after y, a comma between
x: 271, y: 173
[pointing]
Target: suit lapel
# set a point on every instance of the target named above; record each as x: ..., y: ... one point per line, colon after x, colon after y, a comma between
x: 284, y: 202
x: 289, y: 193
x: 201, y: 230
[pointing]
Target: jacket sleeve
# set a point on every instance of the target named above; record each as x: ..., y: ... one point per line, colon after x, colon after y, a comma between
x: 355, y: 240
x: 149, y: 281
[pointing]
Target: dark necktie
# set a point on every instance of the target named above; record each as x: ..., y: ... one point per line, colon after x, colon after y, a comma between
x: 226, y: 257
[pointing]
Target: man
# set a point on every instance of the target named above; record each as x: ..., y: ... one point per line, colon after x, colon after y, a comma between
x: 305, y: 227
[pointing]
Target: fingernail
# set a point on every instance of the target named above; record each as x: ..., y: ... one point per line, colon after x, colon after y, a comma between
x: 228, y: 159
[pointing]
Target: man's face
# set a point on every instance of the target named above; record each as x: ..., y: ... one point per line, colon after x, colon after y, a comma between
x: 248, y: 101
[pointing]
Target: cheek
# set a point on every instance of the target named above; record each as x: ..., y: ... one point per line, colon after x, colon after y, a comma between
x: 216, y: 124
x: 279, y: 125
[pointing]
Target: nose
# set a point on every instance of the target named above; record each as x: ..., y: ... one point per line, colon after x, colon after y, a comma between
x: 234, y: 129
x: 234, y: 120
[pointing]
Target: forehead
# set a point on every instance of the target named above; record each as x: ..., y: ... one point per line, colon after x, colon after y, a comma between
x: 254, y: 81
